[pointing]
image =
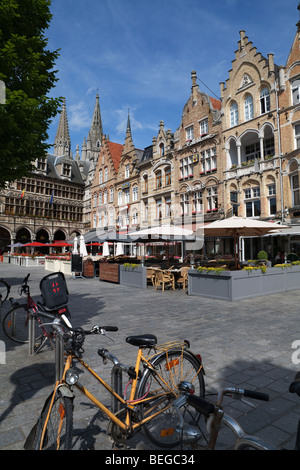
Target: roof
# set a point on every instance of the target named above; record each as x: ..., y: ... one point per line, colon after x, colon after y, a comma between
x: 216, y: 103
x: 115, y: 151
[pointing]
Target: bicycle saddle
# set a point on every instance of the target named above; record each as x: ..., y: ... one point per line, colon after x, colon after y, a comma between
x: 142, y: 340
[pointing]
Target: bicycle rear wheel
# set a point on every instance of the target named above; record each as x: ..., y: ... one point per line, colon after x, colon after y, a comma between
x: 15, y: 324
x: 161, y: 389
x: 4, y: 290
x: 56, y: 424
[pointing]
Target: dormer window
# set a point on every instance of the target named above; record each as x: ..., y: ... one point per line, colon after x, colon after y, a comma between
x: 41, y: 164
x: 66, y: 170
x: 127, y: 168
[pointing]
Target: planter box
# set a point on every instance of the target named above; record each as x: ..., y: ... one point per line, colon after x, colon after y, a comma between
x: 239, y: 285
x: 56, y: 265
x: 15, y: 260
x: 65, y: 267
x: 88, y: 269
x: 37, y: 261
x: 109, y: 272
x: 135, y: 277
x: 6, y: 259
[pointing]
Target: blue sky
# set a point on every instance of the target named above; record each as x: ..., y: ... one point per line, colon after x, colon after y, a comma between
x: 139, y: 54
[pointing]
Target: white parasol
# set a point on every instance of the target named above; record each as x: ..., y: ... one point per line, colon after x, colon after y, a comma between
x: 82, y: 247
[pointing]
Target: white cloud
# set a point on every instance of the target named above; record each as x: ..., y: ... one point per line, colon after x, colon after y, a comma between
x: 79, y: 117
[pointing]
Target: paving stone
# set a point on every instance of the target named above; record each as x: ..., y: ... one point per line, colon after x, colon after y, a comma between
x: 248, y: 344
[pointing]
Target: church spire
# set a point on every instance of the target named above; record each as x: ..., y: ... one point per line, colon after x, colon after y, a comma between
x: 62, y: 142
x: 96, y: 131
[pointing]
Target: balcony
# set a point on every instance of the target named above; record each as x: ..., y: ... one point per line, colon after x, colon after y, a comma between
x: 254, y: 166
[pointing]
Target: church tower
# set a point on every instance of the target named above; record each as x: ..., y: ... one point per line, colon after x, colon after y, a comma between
x: 62, y: 142
x: 91, y: 145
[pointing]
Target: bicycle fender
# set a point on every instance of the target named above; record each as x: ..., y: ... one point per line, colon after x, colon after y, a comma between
x: 198, y: 360
x: 66, y: 391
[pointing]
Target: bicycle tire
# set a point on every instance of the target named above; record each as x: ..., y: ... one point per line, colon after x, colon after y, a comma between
x: 15, y: 324
x: 56, y: 424
x: 173, y: 366
x: 15, y: 327
x: 4, y: 290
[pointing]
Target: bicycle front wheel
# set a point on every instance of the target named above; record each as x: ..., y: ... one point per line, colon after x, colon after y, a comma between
x: 56, y: 427
x: 15, y: 324
x: 159, y: 389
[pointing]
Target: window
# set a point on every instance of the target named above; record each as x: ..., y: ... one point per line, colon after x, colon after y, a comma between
x: 168, y: 206
x: 135, y: 218
x: 145, y: 183
x: 41, y: 164
x: 162, y: 149
x: 184, y: 204
x: 120, y: 197
x: 204, y: 127
x: 197, y: 202
x: 295, y: 190
x: 208, y: 160
x: 234, y: 117
x: 135, y: 193
x: 272, y: 199
x: 105, y: 196
x: 252, y: 152
x: 66, y: 170
x: 248, y: 104
x: 111, y: 194
x: 158, y: 179
x: 234, y: 202
x: 158, y: 209
x: 269, y: 147
x: 186, y: 167
x: 189, y: 132
x: 146, y: 210
x: 105, y: 174
x: 95, y: 199
x: 127, y: 195
x: 297, y: 136
x: 296, y: 91
x: 127, y: 168
x: 212, y: 199
x: 264, y: 101
x: 252, y: 201
x: 100, y: 177
x: 168, y: 175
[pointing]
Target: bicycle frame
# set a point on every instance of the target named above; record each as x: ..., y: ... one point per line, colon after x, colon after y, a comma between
x: 126, y: 424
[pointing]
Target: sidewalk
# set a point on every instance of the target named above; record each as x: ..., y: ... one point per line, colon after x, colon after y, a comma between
x: 246, y: 344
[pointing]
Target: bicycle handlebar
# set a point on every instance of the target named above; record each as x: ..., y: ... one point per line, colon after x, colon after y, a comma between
x: 55, y: 319
x: 206, y: 408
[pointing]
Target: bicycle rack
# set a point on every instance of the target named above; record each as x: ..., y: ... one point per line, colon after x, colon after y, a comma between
x: 31, y: 334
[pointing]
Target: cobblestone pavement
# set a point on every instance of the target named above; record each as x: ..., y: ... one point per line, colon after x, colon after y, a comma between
x: 246, y: 344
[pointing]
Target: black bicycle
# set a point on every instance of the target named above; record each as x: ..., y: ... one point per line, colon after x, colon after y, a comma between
x: 15, y: 322
x: 4, y: 291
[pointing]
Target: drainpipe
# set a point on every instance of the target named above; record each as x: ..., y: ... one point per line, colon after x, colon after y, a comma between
x: 280, y: 153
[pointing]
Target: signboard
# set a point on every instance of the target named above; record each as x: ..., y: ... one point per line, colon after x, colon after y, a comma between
x: 76, y: 264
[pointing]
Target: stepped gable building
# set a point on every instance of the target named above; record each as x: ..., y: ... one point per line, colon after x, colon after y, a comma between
x: 289, y: 116
x: 103, y: 185
x: 198, y: 160
x: 127, y: 188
